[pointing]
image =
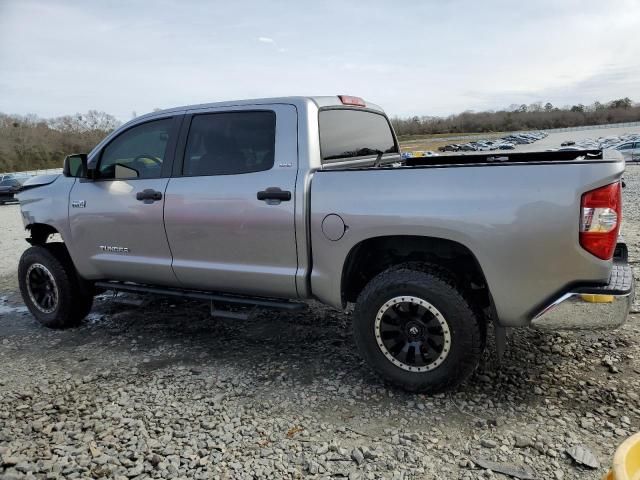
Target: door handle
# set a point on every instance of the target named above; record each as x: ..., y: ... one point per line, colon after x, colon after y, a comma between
x: 274, y: 193
x: 148, y: 195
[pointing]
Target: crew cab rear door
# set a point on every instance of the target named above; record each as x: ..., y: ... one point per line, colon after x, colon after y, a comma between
x: 116, y: 219
x: 229, y: 209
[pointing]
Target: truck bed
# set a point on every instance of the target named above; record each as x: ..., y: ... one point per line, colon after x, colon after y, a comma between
x: 519, y: 215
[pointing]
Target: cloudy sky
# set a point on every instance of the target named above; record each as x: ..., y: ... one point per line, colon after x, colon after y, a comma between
x: 412, y: 57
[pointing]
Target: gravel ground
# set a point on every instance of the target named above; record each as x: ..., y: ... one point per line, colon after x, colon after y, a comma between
x: 162, y: 390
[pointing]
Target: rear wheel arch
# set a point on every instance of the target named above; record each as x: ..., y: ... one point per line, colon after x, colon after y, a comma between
x: 372, y: 256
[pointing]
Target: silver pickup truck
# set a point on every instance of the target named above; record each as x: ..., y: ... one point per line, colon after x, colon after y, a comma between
x: 269, y: 202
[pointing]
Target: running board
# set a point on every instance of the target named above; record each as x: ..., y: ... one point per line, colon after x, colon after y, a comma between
x: 199, y: 295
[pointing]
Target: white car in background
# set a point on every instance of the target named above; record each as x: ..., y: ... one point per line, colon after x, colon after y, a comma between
x: 630, y: 150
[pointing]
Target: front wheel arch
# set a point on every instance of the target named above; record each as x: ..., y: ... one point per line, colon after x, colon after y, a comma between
x: 39, y: 233
x: 73, y: 295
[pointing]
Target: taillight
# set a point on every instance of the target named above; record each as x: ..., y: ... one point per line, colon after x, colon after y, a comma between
x: 600, y: 218
x: 349, y: 100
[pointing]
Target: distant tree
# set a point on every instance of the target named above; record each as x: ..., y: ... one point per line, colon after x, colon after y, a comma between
x: 621, y: 103
x: 535, y: 107
x: 548, y: 107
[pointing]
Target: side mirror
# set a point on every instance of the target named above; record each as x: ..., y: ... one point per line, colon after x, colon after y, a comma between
x: 75, y: 166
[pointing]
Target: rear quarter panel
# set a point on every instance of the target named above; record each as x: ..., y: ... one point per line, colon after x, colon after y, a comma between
x: 520, y: 221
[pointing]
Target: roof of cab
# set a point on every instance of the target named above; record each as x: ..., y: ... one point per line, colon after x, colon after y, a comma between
x: 319, y: 101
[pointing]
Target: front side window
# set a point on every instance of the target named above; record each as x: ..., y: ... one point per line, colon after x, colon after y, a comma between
x: 230, y: 143
x: 347, y: 134
x: 138, y: 152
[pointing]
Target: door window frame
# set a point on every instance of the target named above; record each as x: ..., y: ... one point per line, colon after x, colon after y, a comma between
x: 170, y: 152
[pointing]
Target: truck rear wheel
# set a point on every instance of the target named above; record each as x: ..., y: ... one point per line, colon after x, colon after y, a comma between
x: 51, y: 288
x: 417, y: 330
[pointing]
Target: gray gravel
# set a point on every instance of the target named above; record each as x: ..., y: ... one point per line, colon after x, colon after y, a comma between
x: 165, y: 391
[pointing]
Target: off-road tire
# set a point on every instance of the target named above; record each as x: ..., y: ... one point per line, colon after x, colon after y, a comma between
x: 436, y: 287
x: 74, y: 295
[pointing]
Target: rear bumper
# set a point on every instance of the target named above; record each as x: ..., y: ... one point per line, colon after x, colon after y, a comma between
x: 594, y: 307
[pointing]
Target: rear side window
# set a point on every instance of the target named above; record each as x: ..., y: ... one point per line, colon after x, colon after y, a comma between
x: 348, y: 134
x: 230, y: 143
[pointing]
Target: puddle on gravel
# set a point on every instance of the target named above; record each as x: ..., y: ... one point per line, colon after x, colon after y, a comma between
x: 5, y: 308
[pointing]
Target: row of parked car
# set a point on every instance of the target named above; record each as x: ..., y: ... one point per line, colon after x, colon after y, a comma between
x: 507, y: 142
x: 10, y: 185
x: 627, y: 144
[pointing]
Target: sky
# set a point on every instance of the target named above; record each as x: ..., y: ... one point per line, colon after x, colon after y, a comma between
x: 430, y: 57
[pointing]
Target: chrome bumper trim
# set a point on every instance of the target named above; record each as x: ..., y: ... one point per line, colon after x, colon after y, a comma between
x: 574, y: 311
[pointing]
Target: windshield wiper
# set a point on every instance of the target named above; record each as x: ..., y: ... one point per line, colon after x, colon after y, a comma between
x: 376, y: 164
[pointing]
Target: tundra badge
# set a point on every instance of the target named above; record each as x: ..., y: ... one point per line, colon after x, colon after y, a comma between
x: 106, y: 248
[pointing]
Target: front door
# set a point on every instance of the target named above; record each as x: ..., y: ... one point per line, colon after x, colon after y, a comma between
x: 117, y: 219
x: 229, y: 213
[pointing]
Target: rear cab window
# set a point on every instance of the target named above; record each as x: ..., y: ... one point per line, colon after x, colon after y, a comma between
x: 349, y: 135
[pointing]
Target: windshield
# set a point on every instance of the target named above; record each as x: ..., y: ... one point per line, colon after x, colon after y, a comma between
x: 348, y: 134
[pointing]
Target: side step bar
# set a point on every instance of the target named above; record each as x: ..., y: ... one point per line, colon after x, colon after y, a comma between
x: 199, y: 295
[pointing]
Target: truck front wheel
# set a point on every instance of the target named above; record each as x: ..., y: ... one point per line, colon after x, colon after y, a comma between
x: 51, y: 288
x: 417, y: 330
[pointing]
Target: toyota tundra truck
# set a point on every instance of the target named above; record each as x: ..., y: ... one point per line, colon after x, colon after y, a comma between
x: 271, y: 202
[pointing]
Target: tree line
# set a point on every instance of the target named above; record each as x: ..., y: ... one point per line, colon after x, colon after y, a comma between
x: 30, y: 142
x: 537, y: 116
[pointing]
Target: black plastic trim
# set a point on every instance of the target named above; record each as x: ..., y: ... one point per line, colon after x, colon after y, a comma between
x: 202, y: 295
x: 620, y: 282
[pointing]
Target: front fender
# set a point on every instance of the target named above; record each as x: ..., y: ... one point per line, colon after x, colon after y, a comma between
x: 45, y: 201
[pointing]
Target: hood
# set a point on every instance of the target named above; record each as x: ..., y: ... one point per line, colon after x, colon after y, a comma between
x: 40, y: 180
